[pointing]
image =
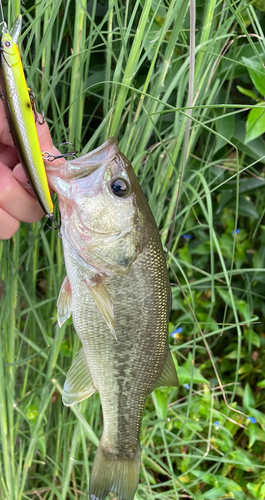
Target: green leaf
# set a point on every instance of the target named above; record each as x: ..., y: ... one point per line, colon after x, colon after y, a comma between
x: 184, y: 254
x: 225, y: 126
x: 184, y: 376
x: 194, y: 426
x: 254, y: 149
x: 252, y: 337
x: 255, y: 434
x: 65, y: 349
x: 255, y: 491
x: 160, y: 402
x: 247, y: 208
x: 250, y: 184
x: 261, y: 383
x: 202, y: 249
x: 242, y: 460
x: 256, y: 73
x: 234, y: 354
x: 32, y: 412
x: 224, y: 443
x: 245, y: 368
x: 255, y: 124
x: 212, y: 493
x: 153, y: 34
x: 241, y: 305
x: 248, y: 399
x: 41, y: 444
x: 247, y: 92
x: 218, y: 481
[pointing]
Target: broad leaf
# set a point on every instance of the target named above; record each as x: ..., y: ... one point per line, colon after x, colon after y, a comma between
x: 255, y: 149
x: 256, y: 73
x: 255, y: 124
x: 225, y: 126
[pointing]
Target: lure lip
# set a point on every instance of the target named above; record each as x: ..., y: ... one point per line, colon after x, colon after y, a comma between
x: 16, y: 29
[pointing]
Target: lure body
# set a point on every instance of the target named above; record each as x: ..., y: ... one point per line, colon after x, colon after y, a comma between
x: 21, y: 121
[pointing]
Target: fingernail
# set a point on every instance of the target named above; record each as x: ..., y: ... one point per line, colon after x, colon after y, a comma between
x: 20, y: 176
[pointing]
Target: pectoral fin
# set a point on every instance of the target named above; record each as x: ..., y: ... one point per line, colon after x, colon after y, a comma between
x: 64, y: 303
x: 103, y: 301
x: 169, y: 374
x: 78, y: 384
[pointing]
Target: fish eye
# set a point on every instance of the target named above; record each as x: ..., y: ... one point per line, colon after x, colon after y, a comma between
x: 119, y: 187
x: 7, y: 44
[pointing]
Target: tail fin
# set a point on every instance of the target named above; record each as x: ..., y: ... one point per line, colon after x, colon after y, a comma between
x: 109, y: 473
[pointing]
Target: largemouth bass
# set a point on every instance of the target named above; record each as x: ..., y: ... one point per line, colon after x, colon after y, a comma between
x: 118, y: 293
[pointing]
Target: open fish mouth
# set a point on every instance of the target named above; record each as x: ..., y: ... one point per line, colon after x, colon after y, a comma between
x: 87, y: 164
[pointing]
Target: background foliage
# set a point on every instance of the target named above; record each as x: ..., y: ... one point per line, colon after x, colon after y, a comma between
x: 181, y: 84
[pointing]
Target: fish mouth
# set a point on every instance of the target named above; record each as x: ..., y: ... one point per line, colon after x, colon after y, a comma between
x: 87, y: 164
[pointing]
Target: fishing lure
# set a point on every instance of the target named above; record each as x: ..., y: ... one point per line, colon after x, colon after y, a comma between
x: 21, y: 115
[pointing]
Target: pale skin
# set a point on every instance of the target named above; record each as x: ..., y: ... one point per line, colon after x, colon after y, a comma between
x: 17, y: 200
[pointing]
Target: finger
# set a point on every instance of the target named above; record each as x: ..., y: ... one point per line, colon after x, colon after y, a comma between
x: 8, y: 152
x: 9, y: 225
x: 46, y: 143
x: 5, y: 135
x: 8, y: 155
x: 15, y: 200
x: 45, y: 139
x: 20, y: 176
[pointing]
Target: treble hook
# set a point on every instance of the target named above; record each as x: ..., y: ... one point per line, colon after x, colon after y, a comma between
x: 57, y: 227
x: 49, y: 157
x: 32, y: 101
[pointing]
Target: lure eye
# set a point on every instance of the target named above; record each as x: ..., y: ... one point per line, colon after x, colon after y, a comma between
x: 7, y: 44
x: 120, y: 188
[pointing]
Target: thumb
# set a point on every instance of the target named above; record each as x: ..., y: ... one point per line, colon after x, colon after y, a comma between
x: 20, y: 176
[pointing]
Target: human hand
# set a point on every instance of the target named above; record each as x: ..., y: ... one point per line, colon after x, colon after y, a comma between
x: 17, y: 199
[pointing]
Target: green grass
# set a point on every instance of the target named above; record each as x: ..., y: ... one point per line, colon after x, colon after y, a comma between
x: 170, y: 89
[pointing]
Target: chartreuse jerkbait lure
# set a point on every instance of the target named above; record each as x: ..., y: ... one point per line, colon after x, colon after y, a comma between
x: 21, y: 115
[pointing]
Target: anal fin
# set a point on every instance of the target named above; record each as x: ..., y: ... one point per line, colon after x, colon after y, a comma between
x: 64, y: 302
x: 169, y: 374
x: 78, y: 384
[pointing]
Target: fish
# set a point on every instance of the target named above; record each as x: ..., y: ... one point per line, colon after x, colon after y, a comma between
x: 118, y: 293
x: 19, y: 108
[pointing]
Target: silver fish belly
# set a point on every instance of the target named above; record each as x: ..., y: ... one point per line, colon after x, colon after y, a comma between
x: 118, y: 293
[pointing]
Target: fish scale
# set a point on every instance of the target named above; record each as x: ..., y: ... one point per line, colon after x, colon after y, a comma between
x: 118, y: 293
